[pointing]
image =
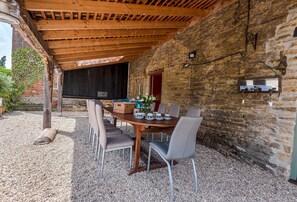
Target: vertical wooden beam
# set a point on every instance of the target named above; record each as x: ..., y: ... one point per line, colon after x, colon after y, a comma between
x: 48, y: 89
x: 60, y: 79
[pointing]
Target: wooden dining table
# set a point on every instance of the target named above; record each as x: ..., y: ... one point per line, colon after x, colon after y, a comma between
x: 143, y: 126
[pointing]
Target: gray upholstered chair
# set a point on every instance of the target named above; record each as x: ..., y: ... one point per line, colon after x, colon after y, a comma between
x: 192, y: 111
x: 162, y: 108
x: 182, y: 145
x: 153, y: 106
x: 174, y: 110
x: 111, y: 129
x: 111, y: 142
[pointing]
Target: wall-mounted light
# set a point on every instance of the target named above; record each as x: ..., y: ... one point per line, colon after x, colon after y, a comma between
x: 9, y: 11
x: 192, y: 55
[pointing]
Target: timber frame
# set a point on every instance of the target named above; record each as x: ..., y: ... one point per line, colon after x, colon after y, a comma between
x: 69, y: 31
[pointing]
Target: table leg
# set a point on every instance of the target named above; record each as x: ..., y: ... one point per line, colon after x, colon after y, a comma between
x: 138, y: 130
x: 114, y: 121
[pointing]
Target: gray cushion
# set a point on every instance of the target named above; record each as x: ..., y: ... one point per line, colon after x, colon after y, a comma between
x: 106, y: 121
x: 113, y: 131
x: 161, y: 147
x: 117, y: 141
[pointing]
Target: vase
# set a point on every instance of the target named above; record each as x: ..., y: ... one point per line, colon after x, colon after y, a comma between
x: 145, y: 109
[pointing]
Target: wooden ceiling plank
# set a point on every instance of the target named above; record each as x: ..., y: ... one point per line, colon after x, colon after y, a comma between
x: 106, y: 7
x: 43, y: 25
x: 63, y: 51
x: 105, y: 54
x: 78, y: 34
x: 107, y: 41
x: 73, y: 66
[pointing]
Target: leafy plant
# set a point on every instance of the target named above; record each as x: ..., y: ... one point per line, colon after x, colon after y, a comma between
x: 9, y: 91
x: 28, y: 66
x: 5, y: 71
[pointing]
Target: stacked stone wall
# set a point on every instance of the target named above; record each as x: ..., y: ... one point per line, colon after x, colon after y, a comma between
x: 253, y: 131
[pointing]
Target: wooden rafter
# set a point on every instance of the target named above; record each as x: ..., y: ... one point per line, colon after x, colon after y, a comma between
x: 63, y: 51
x: 73, y: 65
x: 105, y: 24
x: 100, y: 54
x: 107, y: 7
x: 104, y: 41
x: 72, y: 34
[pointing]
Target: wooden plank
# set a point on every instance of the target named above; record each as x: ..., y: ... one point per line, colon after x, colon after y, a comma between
x: 78, y: 57
x: 43, y: 25
x: 111, y: 7
x: 62, y: 51
x: 48, y: 89
x: 104, y: 41
x: 73, y: 65
x: 78, y: 34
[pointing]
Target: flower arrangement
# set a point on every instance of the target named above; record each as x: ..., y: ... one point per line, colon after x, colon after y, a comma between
x: 146, y: 101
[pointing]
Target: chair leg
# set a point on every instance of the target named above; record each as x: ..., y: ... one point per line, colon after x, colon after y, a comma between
x: 149, y: 161
x: 195, y: 175
x: 130, y: 157
x: 98, y: 154
x: 171, y: 162
x: 171, y: 180
x: 89, y: 132
x: 102, y: 163
x: 93, y: 141
x: 96, y: 147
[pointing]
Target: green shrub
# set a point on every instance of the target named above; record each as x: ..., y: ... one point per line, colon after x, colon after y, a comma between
x: 27, y: 66
x: 9, y: 91
x: 5, y: 71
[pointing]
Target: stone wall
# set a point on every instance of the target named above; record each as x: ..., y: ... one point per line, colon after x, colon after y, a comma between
x: 253, y: 131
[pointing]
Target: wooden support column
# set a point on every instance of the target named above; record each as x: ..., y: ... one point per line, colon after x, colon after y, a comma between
x: 60, y: 79
x: 48, y: 89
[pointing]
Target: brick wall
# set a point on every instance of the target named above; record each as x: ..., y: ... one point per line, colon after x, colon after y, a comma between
x: 253, y: 131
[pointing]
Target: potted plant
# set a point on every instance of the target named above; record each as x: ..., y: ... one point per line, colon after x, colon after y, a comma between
x: 146, y: 101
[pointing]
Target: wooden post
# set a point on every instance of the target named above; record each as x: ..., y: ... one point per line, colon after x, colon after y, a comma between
x: 48, y: 87
x: 60, y: 91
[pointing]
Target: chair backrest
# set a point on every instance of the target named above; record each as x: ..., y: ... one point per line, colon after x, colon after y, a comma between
x: 174, y: 110
x: 162, y: 108
x: 183, y: 140
x: 99, y: 117
x: 88, y: 109
x: 192, y: 111
x: 153, y: 106
x: 92, y: 116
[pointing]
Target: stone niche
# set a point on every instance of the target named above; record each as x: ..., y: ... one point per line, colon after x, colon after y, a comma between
x: 253, y: 132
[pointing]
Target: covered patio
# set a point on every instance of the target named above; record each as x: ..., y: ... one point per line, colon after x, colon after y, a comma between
x: 234, y: 60
x: 66, y: 171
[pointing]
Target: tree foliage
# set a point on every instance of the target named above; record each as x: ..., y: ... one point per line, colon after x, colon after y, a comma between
x: 9, y: 91
x: 27, y: 66
x: 3, y: 61
x: 5, y: 71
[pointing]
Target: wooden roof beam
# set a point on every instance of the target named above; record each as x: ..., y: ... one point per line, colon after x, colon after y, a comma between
x: 29, y: 31
x: 105, y: 24
x: 63, y: 51
x: 99, y: 54
x: 104, y: 41
x: 107, y: 7
x: 73, y: 65
x: 54, y: 35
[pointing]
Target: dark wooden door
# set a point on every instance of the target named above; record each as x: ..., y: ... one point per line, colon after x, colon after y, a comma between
x: 156, y: 87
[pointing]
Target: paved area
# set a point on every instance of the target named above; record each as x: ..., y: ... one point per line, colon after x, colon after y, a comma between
x: 66, y: 171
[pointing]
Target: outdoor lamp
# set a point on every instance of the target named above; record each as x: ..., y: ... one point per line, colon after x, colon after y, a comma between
x: 9, y: 11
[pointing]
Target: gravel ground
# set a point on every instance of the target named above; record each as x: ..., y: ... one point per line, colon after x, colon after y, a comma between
x: 65, y: 170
